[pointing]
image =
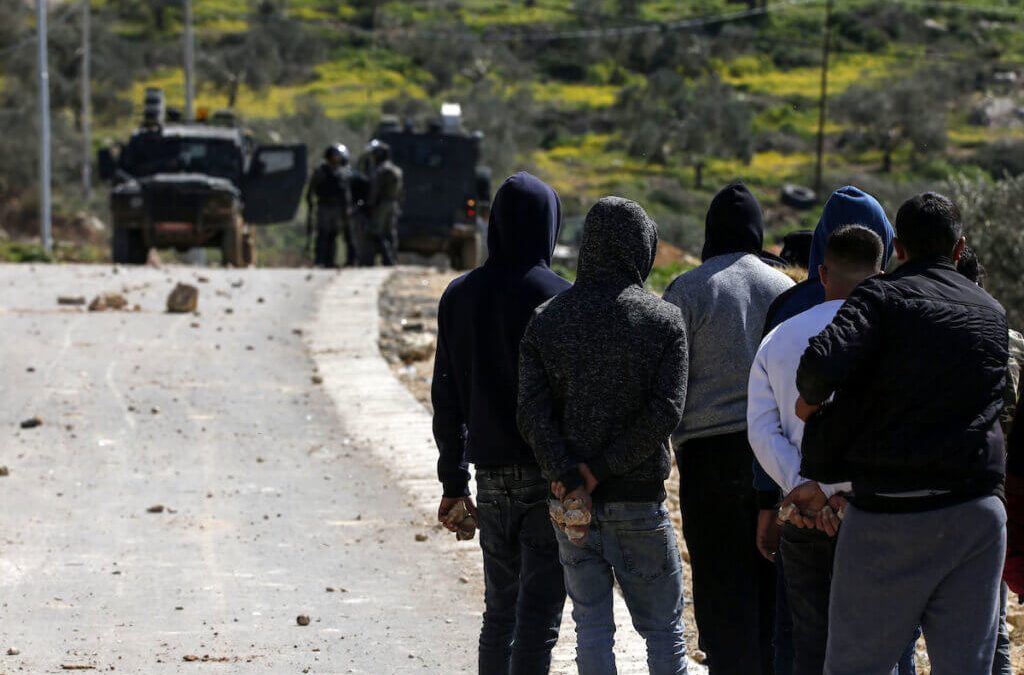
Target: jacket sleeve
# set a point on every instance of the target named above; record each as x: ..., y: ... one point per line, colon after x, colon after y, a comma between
x: 449, y: 425
x: 656, y: 421
x: 849, y: 343
x: 772, y: 448
x: 537, y: 418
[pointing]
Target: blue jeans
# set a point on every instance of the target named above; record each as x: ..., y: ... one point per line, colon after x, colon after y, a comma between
x: 634, y: 543
x: 524, y: 592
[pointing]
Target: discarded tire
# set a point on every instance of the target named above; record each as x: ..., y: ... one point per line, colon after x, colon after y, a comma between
x: 798, y: 196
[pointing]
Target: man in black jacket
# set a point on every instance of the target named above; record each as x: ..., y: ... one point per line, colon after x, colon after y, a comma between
x: 481, y: 319
x: 602, y: 385
x: 916, y: 361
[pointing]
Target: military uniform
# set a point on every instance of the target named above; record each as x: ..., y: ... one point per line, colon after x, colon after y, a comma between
x: 380, y: 229
x: 330, y: 186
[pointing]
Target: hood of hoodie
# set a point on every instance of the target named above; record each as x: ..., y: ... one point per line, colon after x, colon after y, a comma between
x: 849, y: 206
x: 523, y: 227
x: 734, y: 223
x: 619, y: 244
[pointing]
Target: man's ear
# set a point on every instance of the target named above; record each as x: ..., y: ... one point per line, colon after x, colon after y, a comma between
x: 901, y: 250
x: 958, y: 250
x: 823, y: 275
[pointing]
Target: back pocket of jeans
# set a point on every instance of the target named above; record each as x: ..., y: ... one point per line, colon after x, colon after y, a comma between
x: 648, y: 554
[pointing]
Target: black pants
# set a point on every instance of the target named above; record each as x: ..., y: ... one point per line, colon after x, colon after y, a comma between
x: 328, y: 225
x: 733, y: 586
x: 807, y: 556
x: 524, y: 588
x: 351, y: 255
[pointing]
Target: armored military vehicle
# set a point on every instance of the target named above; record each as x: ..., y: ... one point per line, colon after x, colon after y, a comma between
x: 447, y: 192
x: 197, y: 185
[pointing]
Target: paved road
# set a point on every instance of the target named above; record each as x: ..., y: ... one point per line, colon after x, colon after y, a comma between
x: 267, y: 501
x: 275, y: 488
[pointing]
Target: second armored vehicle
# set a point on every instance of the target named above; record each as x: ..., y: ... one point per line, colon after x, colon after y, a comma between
x: 447, y: 191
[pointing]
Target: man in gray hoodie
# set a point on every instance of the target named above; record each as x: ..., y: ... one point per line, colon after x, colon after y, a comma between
x: 602, y: 382
x: 723, y: 304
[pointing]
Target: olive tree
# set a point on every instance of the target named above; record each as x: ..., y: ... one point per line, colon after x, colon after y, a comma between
x: 899, y: 114
x: 993, y: 212
x: 669, y: 118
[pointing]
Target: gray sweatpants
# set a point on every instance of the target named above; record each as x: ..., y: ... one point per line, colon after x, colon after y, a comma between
x: 940, y: 569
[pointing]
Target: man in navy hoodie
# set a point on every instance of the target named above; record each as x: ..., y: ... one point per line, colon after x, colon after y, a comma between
x: 481, y: 320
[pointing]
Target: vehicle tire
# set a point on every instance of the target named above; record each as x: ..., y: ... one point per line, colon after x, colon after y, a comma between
x: 249, y: 247
x: 128, y: 247
x: 231, y: 245
x: 798, y: 196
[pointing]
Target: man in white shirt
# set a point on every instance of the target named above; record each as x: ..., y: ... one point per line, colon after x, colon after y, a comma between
x: 807, y: 544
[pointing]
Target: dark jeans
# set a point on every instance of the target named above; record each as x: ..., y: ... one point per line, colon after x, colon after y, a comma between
x: 782, y: 640
x: 733, y: 586
x: 807, y: 555
x: 524, y: 587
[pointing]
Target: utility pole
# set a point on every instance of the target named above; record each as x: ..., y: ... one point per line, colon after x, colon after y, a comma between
x: 826, y: 46
x: 44, y: 130
x: 86, y: 99
x: 190, y: 84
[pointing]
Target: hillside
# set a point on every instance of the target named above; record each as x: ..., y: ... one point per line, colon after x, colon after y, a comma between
x: 656, y: 100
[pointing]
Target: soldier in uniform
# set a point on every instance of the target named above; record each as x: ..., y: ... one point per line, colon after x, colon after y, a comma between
x: 382, y: 205
x: 329, y: 186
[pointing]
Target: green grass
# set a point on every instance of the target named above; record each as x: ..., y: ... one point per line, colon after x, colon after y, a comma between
x: 661, y: 277
x: 357, y: 82
x: 23, y: 252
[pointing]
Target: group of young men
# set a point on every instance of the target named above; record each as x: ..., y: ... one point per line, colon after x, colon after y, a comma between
x: 863, y: 405
x: 361, y: 205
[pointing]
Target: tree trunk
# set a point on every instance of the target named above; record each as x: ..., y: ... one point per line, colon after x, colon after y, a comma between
x: 887, y: 161
x: 698, y: 175
x: 233, y: 93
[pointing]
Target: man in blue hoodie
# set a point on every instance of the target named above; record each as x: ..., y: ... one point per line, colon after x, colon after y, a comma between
x: 481, y: 320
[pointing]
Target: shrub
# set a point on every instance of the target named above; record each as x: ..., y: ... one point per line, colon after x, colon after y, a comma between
x: 993, y: 212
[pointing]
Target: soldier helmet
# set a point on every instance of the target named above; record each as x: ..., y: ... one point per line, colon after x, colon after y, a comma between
x: 337, y: 150
x: 378, y: 149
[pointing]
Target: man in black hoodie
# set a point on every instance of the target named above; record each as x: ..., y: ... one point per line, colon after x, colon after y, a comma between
x: 916, y: 361
x: 602, y: 385
x: 481, y: 320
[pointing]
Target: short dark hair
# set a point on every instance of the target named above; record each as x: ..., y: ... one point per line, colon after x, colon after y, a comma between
x: 970, y: 266
x: 852, y: 250
x: 929, y: 224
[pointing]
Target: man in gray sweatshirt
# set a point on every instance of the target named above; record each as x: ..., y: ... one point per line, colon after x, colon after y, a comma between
x: 602, y: 382
x: 723, y: 304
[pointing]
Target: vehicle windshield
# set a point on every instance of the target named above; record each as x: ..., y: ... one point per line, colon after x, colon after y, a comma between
x: 149, y: 154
